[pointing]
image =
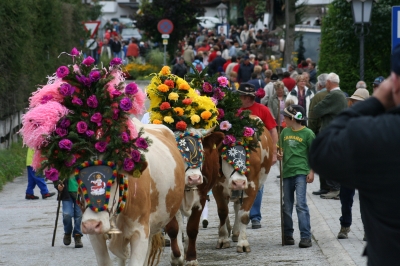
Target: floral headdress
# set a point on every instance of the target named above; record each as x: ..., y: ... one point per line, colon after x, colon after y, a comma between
x: 82, y: 114
x: 175, y: 104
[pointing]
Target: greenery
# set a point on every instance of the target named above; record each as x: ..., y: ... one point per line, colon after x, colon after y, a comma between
x: 156, y: 58
x: 35, y: 32
x: 182, y: 14
x: 340, y: 46
x: 12, y: 163
x: 135, y: 70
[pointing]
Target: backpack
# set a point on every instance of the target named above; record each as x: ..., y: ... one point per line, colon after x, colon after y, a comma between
x: 199, y: 67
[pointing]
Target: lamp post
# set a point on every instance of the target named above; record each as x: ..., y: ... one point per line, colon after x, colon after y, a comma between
x: 222, y: 8
x: 362, y: 16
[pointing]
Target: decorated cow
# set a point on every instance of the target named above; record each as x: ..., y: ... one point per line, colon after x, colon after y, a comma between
x: 79, y: 126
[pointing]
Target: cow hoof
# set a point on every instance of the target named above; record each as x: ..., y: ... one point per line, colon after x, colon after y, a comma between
x: 224, y: 244
x: 235, y: 238
x: 177, y: 261
x: 192, y: 263
x: 241, y: 249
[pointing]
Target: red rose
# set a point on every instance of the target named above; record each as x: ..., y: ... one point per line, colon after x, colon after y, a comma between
x: 187, y: 101
x: 169, y: 83
x: 181, y: 126
x: 165, y: 106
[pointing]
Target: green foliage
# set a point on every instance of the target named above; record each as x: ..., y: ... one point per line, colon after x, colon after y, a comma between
x: 182, y: 13
x: 340, y: 52
x: 35, y: 32
x: 155, y: 57
x: 12, y: 163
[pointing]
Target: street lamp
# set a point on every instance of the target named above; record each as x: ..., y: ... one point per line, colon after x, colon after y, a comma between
x: 361, y: 16
x: 222, y: 8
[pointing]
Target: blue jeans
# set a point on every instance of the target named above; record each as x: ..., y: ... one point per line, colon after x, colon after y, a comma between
x: 290, y: 185
x: 34, y: 180
x: 255, y: 211
x: 346, y: 199
x: 71, y: 210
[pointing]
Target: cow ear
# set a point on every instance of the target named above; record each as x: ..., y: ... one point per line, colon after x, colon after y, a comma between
x: 213, y: 141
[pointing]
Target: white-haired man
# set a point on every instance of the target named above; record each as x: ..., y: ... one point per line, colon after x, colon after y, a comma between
x: 327, y: 109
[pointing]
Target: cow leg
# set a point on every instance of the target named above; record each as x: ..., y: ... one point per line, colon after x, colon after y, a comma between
x: 173, y: 229
x: 236, y: 224
x: 244, y: 216
x: 139, y: 248
x: 192, y: 230
x: 100, y: 249
x: 119, y: 247
x: 223, y: 211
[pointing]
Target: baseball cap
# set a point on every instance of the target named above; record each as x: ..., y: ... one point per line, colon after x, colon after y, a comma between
x: 378, y: 80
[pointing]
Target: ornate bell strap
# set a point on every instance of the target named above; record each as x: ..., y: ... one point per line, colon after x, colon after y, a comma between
x: 191, y: 148
x: 237, y: 155
x: 123, y: 191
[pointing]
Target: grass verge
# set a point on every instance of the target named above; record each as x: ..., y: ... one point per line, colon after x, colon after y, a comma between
x: 12, y: 163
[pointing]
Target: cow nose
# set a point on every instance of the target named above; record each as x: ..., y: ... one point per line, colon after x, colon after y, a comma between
x: 195, y: 180
x: 92, y: 227
x: 238, y: 184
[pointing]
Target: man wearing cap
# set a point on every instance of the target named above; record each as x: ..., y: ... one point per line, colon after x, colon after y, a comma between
x: 377, y: 82
x: 247, y: 97
x: 360, y: 149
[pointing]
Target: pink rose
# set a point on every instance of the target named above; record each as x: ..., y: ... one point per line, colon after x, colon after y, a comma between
x: 223, y: 81
x: 248, y: 132
x: 88, y: 61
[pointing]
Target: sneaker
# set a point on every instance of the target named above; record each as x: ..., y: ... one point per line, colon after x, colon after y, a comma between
x: 289, y: 241
x: 67, y: 239
x: 31, y: 197
x: 205, y: 223
x: 48, y: 195
x: 305, y: 243
x: 78, y: 241
x: 255, y: 224
x: 343, y: 233
x: 330, y: 195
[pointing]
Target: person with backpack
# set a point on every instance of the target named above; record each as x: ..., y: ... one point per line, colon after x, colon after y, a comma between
x: 197, y: 64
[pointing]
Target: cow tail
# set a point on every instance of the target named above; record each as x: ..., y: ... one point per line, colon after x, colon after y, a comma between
x: 157, y: 247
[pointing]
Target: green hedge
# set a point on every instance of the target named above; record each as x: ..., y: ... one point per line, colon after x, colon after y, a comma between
x: 340, y: 47
x: 34, y: 33
x: 12, y: 163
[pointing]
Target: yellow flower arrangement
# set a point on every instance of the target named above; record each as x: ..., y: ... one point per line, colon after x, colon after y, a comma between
x: 182, y: 106
x: 173, y: 96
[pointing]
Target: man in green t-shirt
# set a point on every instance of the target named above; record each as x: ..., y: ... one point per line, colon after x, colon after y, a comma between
x: 294, y: 144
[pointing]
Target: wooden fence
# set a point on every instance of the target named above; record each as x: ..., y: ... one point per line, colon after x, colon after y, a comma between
x: 9, y: 128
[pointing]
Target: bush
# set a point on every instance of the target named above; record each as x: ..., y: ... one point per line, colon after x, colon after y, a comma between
x: 12, y: 163
x: 156, y: 58
x: 136, y: 70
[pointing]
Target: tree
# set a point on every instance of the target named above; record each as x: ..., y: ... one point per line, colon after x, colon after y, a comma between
x: 182, y: 13
x: 340, y: 45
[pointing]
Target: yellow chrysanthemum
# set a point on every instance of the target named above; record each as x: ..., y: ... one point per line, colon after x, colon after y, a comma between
x: 179, y: 111
x: 180, y: 81
x: 165, y: 70
x: 184, y: 86
x: 168, y: 120
x: 195, y: 119
x: 163, y: 88
x: 156, y: 121
x: 155, y: 116
x: 206, y: 115
x: 173, y: 96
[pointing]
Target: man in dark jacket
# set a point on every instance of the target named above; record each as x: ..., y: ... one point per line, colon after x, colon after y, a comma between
x: 359, y: 149
x: 216, y: 64
x: 245, y: 70
x: 180, y: 68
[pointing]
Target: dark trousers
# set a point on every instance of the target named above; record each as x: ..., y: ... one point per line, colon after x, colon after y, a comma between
x: 333, y: 186
x: 322, y: 184
x: 346, y: 199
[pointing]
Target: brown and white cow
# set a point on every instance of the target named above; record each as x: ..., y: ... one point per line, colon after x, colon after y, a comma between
x: 153, y: 202
x: 260, y: 164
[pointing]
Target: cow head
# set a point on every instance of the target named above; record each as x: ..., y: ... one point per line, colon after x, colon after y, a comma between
x: 191, y: 147
x: 235, y: 165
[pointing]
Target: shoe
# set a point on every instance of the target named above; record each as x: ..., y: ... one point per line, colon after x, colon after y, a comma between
x: 67, y: 239
x: 78, y: 241
x: 321, y: 191
x: 205, y: 223
x: 365, y: 237
x: 255, y: 224
x: 30, y: 196
x: 289, y: 241
x: 343, y: 233
x: 305, y: 243
x: 330, y: 195
x: 48, y: 195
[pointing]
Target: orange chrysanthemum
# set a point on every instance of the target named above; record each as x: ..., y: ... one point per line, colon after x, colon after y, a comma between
x: 179, y: 111
x: 206, y: 115
x: 163, y: 88
x: 165, y: 71
x: 169, y: 83
x: 184, y: 86
x: 156, y: 121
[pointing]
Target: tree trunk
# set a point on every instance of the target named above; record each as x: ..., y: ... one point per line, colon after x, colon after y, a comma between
x: 290, y: 16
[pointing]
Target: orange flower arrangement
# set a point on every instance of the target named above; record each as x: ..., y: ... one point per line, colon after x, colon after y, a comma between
x: 169, y: 83
x: 187, y: 101
x: 163, y: 88
x: 184, y: 86
x: 206, y: 115
x: 179, y: 111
